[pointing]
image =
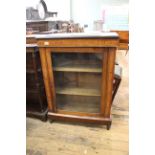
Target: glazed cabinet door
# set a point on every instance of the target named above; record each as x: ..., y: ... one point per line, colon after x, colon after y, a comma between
x: 76, y: 81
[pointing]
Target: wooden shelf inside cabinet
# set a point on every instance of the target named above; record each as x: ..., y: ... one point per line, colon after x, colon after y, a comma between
x: 78, y: 91
x: 78, y: 66
x: 78, y: 71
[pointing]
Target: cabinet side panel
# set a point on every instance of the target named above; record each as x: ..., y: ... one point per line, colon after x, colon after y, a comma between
x: 109, y: 80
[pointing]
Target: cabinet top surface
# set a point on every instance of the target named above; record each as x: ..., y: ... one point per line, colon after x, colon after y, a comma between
x: 95, y: 35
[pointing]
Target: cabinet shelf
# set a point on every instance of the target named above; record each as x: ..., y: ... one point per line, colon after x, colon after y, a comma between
x: 78, y: 91
x: 78, y: 69
x: 79, y: 66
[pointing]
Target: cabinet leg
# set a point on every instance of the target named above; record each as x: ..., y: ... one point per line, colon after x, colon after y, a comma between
x: 109, y: 126
x: 51, y: 120
x: 44, y: 118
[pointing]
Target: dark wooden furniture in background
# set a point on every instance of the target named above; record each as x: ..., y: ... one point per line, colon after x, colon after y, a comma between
x: 78, y: 71
x: 36, y: 103
x: 39, y: 25
x: 123, y: 39
x: 42, y: 25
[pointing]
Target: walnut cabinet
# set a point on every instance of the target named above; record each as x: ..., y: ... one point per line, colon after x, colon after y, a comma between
x: 78, y: 73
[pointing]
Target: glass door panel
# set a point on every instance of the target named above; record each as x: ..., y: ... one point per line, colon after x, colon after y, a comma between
x: 77, y: 78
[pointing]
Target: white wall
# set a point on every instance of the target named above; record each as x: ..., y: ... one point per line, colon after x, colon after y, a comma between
x: 32, y: 3
x: 60, y: 6
x: 86, y: 11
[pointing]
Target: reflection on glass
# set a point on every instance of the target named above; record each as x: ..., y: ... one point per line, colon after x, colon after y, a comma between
x: 77, y: 79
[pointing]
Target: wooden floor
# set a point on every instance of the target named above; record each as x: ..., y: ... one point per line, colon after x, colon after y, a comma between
x: 59, y: 138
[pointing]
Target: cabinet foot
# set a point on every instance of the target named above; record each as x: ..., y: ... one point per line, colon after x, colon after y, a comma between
x: 40, y: 115
x: 44, y: 118
x: 109, y: 126
x: 51, y: 121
